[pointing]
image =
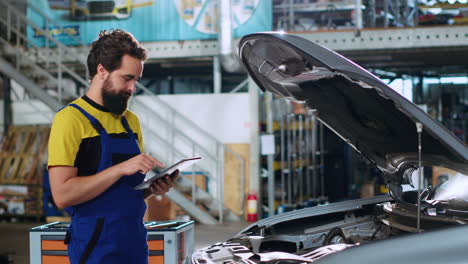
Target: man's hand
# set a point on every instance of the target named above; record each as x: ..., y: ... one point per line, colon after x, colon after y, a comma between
x: 164, y: 184
x: 141, y: 163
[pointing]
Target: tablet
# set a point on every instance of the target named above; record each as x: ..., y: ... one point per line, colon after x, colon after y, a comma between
x: 180, y: 165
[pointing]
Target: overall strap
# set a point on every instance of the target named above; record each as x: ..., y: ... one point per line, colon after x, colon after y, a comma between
x: 93, y: 242
x: 126, y: 125
x: 94, y: 122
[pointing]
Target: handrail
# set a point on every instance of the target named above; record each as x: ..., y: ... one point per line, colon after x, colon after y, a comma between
x: 55, y: 23
x: 43, y: 32
x: 48, y: 21
x: 176, y: 113
x: 240, y: 86
x: 12, y: 14
x: 4, y: 42
x: 182, y: 155
x: 61, y: 48
x: 30, y: 23
x: 76, y: 76
x: 178, y: 131
x: 220, y: 181
x: 6, y: 68
x: 218, y: 165
x: 186, y: 120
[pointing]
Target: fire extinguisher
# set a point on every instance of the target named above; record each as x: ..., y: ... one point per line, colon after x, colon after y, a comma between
x: 252, y: 207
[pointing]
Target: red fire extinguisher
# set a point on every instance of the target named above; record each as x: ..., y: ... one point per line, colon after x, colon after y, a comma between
x: 252, y: 207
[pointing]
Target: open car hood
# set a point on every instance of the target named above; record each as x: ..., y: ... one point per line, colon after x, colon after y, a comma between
x: 364, y: 111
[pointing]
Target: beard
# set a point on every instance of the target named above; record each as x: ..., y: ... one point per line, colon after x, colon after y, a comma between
x: 116, y: 102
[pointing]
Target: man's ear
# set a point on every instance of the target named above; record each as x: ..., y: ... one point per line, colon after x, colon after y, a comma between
x: 102, y: 72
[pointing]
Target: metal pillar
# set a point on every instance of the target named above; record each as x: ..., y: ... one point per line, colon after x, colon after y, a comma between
x: 254, y: 170
x: 418, y: 95
x: 170, y: 80
x: 314, y: 158
x: 386, y: 9
x: 291, y: 15
x: 271, y: 173
x: 301, y: 155
x: 322, y: 161
x: 283, y: 159
x: 295, y: 180
x: 308, y: 147
x: 7, y: 113
x: 371, y: 12
x: 419, y: 130
x: 290, y: 146
x: 216, y: 74
x: 358, y: 18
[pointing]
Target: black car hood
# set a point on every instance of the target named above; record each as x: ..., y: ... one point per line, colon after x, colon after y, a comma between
x: 368, y: 114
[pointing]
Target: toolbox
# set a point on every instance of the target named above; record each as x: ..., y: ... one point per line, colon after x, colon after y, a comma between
x: 169, y: 242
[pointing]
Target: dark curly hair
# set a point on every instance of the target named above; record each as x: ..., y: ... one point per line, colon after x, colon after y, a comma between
x: 109, y: 49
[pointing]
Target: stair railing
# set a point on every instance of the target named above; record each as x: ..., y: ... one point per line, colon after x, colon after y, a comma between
x: 15, y: 24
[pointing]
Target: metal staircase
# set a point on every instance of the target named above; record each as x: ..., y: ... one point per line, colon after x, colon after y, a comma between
x: 44, y: 72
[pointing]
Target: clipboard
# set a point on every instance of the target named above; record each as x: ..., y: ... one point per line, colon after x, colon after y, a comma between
x: 180, y: 165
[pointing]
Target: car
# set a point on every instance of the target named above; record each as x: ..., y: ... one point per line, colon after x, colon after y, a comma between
x: 406, y: 226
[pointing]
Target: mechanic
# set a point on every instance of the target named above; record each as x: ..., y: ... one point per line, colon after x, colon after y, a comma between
x: 96, y: 158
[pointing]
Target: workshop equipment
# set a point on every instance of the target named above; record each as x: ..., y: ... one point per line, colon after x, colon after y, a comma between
x: 169, y: 242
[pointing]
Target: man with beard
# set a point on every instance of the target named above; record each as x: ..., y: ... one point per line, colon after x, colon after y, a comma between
x: 96, y: 158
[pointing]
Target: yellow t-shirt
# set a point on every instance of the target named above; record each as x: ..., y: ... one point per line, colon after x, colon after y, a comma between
x: 75, y: 142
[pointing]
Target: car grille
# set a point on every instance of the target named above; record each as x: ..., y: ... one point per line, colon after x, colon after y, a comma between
x: 101, y: 7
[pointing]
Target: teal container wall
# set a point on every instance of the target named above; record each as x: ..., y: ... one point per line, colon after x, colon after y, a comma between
x: 161, y: 20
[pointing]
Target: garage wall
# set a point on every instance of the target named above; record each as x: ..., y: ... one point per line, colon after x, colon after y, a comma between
x: 225, y: 116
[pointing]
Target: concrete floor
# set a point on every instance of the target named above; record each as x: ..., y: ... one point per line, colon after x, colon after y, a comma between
x: 14, y: 237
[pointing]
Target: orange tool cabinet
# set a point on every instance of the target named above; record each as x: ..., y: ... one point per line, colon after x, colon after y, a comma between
x: 169, y: 242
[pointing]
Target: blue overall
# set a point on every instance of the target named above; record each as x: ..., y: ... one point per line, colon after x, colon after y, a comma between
x: 110, y: 228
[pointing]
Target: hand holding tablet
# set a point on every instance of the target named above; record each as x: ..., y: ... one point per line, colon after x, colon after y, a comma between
x: 180, y: 165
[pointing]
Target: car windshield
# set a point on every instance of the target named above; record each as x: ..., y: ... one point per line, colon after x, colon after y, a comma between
x: 455, y: 188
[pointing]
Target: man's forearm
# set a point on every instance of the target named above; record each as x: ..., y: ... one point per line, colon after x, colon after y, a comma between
x: 68, y: 189
x: 76, y: 190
